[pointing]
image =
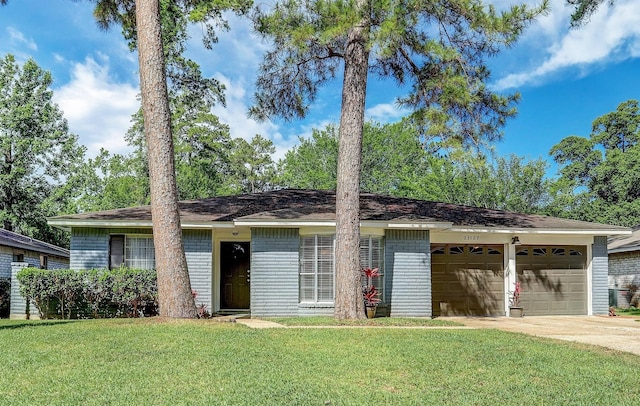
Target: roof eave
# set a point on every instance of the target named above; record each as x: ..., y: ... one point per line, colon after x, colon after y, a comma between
x: 408, y: 225
x: 559, y: 231
x: 68, y: 224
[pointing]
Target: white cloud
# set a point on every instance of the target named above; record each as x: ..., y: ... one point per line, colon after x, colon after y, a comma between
x: 385, y: 113
x: 97, y: 108
x: 241, y: 126
x: 17, y: 36
x: 612, y: 34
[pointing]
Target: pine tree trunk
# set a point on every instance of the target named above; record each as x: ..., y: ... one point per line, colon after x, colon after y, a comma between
x: 174, y: 288
x: 349, y: 303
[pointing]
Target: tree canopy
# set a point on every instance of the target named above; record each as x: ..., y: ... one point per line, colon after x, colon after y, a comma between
x: 396, y: 163
x: 600, y: 173
x: 38, y: 154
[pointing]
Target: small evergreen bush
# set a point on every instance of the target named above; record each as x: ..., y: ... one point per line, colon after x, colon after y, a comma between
x: 94, y: 293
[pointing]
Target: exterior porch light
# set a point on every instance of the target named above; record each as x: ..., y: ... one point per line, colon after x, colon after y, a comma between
x: 515, y: 240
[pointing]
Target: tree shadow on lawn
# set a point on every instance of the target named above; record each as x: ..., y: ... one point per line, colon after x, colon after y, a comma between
x: 33, y: 323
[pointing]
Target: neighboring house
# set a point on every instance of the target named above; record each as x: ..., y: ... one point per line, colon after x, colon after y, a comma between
x: 17, y: 252
x: 624, y: 266
x: 273, y: 254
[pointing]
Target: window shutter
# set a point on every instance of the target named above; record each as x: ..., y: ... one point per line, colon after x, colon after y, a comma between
x: 116, y: 251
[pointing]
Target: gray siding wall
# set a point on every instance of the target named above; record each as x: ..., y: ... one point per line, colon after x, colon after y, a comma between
x: 89, y: 248
x: 600, y: 272
x: 197, y: 248
x: 274, y: 272
x: 408, y: 273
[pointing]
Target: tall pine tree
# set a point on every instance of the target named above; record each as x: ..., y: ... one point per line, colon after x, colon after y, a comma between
x: 437, y: 48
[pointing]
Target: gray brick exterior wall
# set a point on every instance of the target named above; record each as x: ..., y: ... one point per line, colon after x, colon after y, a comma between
x: 6, y: 256
x: 9, y: 269
x: 58, y: 263
x: 600, y: 272
x: 624, y: 269
x: 18, y: 302
x: 624, y: 263
x: 198, y: 250
x: 408, y: 273
x: 274, y: 272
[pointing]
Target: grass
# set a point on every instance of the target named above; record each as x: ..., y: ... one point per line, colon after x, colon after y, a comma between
x: 156, y: 362
x: 632, y: 311
x: 379, y: 322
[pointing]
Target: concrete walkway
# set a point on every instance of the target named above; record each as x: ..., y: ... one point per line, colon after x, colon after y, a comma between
x: 257, y: 323
x: 617, y: 333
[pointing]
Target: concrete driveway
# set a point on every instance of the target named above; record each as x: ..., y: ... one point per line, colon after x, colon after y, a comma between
x: 618, y: 333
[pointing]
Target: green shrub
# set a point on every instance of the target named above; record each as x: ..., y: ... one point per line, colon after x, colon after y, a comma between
x: 5, y: 296
x: 97, y: 291
x: 35, y: 287
x: 134, y: 291
x: 94, y: 293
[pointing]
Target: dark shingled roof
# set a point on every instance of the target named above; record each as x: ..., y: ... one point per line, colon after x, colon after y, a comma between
x: 309, y: 205
x: 625, y: 243
x: 14, y: 240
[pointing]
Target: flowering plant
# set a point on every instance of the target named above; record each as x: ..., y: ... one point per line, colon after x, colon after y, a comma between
x: 369, y: 292
x: 514, y: 300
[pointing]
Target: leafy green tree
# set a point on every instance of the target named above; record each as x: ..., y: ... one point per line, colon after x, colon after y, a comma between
x: 109, y: 182
x: 37, y: 151
x: 396, y: 163
x: 252, y: 169
x: 438, y: 48
x: 393, y: 159
x: 506, y: 183
x: 601, y: 172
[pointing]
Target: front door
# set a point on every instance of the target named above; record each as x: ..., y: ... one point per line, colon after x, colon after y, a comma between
x: 234, y: 275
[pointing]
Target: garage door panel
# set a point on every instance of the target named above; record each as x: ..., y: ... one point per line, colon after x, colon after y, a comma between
x: 472, y: 284
x: 555, y: 278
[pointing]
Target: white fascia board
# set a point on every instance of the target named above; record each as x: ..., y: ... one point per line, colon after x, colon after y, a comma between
x: 539, y: 231
x: 332, y: 223
x: 420, y: 226
x: 68, y: 224
x: 284, y: 224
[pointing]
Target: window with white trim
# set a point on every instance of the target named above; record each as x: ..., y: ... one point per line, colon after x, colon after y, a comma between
x: 139, y: 253
x: 372, y: 256
x: 317, y: 266
x: 136, y: 252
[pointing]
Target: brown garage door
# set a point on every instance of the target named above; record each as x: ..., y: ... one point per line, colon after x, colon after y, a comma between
x: 553, y: 279
x: 467, y: 280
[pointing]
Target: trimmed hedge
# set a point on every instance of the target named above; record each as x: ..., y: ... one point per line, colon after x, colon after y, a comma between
x: 93, y: 293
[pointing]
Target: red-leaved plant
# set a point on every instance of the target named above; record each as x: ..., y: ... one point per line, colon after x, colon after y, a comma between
x: 514, y: 300
x: 370, y: 293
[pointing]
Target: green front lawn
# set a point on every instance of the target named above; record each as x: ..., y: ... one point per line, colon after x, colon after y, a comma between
x: 156, y: 362
x: 375, y: 322
x: 632, y: 311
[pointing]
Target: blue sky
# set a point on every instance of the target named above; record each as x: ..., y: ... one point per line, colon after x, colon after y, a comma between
x: 567, y: 77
